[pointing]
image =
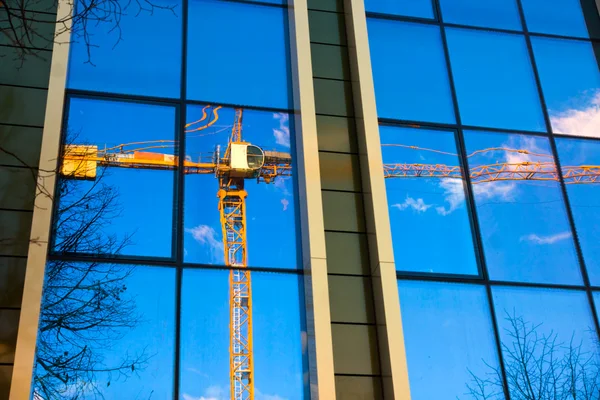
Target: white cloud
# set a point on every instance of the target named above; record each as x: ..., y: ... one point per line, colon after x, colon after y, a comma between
x: 282, y: 135
x: 262, y: 396
x: 285, y: 204
x: 206, y: 235
x: 583, y: 120
x: 534, y: 238
x: 454, y: 195
x: 417, y: 205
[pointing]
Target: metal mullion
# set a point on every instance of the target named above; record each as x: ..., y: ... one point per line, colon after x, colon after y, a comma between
x: 470, y: 200
x: 582, y: 266
x: 178, y: 222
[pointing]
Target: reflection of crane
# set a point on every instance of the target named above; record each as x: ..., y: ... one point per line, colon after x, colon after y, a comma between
x: 240, y: 161
x: 507, y: 171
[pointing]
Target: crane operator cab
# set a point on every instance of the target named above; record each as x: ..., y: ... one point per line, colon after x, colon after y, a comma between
x: 246, y: 160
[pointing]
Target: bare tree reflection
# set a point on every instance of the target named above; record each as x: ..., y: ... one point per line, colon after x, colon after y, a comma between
x: 539, y: 366
x: 86, y: 307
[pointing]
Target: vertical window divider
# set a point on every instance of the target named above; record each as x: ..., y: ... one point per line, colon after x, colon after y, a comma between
x: 584, y: 274
x: 179, y: 248
x: 472, y: 209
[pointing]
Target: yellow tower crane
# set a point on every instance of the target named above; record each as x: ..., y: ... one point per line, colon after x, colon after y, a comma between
x: 241, y: 161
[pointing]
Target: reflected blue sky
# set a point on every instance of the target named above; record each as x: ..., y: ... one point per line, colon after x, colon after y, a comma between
x: 416, y: 205
x: 270, y: 207
x: 144, y: 197
x: 416, y: 90
x: 570, y: 83
x: 494, y: 80
x: 448, y: 332
x: 524, y: 226
x: 247, y: 49
x: 279, y: 339
x: 559, y: 17
x: 151, y: 339
x: 126, y: 59
x: 584, y: 199
x: 502, y: 14
x: 410, y: 8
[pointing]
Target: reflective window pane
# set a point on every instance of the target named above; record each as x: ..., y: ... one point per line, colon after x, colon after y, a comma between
x: 238, y: 54
x: 448, y: 337
x: 549, y: 340
x: 425, y: 190
x: 580, y: 163
x: 494, y: 80
x: 124, y: 52
x: 106, y: 331
x: 278, y: 335
x: 269, y: 205
x: 116, y: 186
x: 417, y: 90
x: 408, y: 8
x: 558, y: 17
x: 524, y: 227
x: 571, y: 84
x: 502, y: 14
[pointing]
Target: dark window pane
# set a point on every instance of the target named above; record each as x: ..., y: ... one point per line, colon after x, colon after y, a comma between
x: 347, y: 253
x: 106, y: 331
x: 327, y: 27
x: 351, y: 299
x: 580, y: 160
x: 330, y: 61
x: 416, y: 90
x: 409, y: 8
x: 448, y: 336
x: 237, y: 54
x: 502, y: 14
x: 333, y: 97
x: 425, y: 191
x: 524, y: 227
x: 494, y: 80
x: 270, y: 190
x: 116, y: 186
x: 125, y: 60
x: 547, y: 334
x: 343, y: 211
x: 336, y: 134
x: 5, y: 378
x: 571, y: 84
x: 338, y: 172
x: 278, y: 335
x: 355, y: 349
x: 358, y: 388
x: 559, y: 17
x: 9, y: 324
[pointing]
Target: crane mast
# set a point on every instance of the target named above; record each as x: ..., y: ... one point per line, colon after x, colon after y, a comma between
x: 232, y: 206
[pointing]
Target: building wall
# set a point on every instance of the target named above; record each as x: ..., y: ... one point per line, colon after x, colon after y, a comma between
x: 368, y: 342
x: 23, y: 91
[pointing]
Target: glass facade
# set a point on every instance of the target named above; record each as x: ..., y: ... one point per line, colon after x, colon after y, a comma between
x: 174, y: 269
x: 488, y: 122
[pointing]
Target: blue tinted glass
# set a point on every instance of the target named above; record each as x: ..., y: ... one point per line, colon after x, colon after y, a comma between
x: 269, y: 206
x: 410, y: 8
x: 559, y: 17
x: 571, y: 84
x: 111, y: 190
x: 129, y: 56
x: 502, y: 14
x: 580, y: 163
x: 448, y: 336
x: 238, y: 54
x: 548, y: 334
x: 524, y: 227
x: 425, y: 191
x: 106, y: 331
x: 494, y: 80
x: 279, y: 336
x: 417, y: 90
